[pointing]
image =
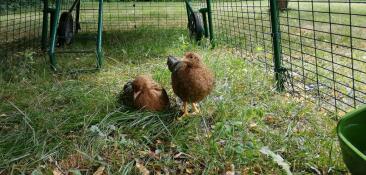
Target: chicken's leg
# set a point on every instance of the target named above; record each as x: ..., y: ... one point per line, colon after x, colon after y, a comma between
x: 185, y: 110
x: 195, y: 109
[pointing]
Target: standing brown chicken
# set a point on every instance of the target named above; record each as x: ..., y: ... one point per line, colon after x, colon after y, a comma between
x: 145, y: 93
x: 191, y: 80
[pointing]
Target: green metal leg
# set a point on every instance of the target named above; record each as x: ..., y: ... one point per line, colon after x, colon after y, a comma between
x: 77, y: 18
x: 45, y: 25
x: 203, y: 11
x: 187, y: 8
x: 210, y: 26
x: 205, y: 24
x: 51, y: 52
x: 99, y: 37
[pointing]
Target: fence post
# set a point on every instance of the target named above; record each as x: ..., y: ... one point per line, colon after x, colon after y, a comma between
x: 277, y: 51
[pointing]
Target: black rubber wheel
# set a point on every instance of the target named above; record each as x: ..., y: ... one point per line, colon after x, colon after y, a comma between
x: 195, y: 26
x: 65, y: 30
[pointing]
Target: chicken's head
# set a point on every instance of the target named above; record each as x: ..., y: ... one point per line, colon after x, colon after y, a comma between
x: 141, y: 82
x: 193, y: 58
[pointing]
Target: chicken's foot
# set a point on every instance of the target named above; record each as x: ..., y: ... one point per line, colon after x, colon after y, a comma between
x: 185, y: 111
x: 195, y: 109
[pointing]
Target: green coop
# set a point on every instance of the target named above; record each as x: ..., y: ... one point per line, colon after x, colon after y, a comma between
x: 285, y: 95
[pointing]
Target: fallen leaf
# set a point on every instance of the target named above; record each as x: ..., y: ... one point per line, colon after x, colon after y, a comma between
x: 172, y: 145
x: 143, y: 170
x: 341, y: 113
x: 277, y: 158
x: 269, y: 119
x: 253, y: 126
x: 257, y: 170
x: 230, y: 170
x: 57, y: 172
x: 73, y: 161
x: 245, y: 171
x: 189, y: 170
x: 159, y: 142
x: 99, y: 171
x: 178, y: 155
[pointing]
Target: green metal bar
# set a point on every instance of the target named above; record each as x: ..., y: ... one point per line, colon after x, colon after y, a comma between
x: 210, y: 26
x: 204, y: 18
x: 76, y: 2
x: 77, y: 51
x: 51, y: 11
x: 189, y: 8
x: 186, y: 1
x: 276, y: 35
x: 78, y: 18
x: 45, y: 25
x: 99, y: 37
x: 51, y: 52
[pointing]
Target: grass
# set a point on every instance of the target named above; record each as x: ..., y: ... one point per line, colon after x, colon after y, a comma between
x: 72, y: 122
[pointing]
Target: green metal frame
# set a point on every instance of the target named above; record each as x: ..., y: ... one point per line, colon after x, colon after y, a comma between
x: 55, y: 15
x: 45, y: 24
x: 207, y: 19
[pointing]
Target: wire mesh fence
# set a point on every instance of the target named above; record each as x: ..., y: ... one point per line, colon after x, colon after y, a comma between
x: 147, y: 14
x: 323, y: 47
x: 322, y: 41
x: 247, y: 26
x: 20, y: 25
x: 324, y: 50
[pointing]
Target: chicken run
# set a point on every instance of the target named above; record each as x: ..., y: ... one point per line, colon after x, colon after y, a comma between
x: 106, y: 86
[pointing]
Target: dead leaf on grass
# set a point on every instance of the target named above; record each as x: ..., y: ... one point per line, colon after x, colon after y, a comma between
x: 230, y: 170
x: 277, y: 158
x: 189, y: 170
x: 73, y: 161
x: 253, y: 127
x: 143, y: 170
x: 269, y: 119
x: 99, y: 171
x: 57, y: 172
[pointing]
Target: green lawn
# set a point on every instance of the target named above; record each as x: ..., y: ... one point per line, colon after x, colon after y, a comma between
x: 71, y: 121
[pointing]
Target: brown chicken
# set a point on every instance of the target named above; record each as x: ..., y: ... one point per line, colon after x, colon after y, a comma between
x: 145, y: 93
x: 191, y: 80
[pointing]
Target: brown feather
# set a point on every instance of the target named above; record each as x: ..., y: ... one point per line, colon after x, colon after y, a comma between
x: 149, y: 95
x: 192, y: 82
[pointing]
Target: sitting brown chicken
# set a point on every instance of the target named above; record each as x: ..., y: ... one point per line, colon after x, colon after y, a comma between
x: 145, y: 93
x: 191, y: 80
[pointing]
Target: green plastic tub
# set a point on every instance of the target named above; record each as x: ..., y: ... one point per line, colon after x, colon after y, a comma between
x: 351, y: 131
